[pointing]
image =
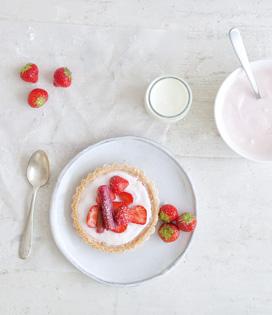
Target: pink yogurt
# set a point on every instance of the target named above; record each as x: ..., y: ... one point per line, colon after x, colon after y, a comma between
x: 245, y: 122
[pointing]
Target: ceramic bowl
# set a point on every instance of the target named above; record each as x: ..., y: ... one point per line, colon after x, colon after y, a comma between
x: 239, y: 76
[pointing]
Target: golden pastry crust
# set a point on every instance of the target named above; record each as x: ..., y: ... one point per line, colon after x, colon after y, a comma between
x: 143, y: 235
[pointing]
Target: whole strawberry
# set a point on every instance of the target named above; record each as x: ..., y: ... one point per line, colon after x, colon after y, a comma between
x: 168, y: 232
x: 37, y: 98
x: 29, y: 73
x: 186, y: 222
x: 168, y: 213
x: 62, y: 77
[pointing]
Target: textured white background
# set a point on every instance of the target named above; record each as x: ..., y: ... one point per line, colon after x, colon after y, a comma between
x: 114, y: 49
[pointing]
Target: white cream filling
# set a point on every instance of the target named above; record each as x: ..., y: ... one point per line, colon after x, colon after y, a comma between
x: 87, y: 199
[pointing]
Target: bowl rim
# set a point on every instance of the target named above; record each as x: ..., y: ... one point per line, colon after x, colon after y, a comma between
x: 217, y: 111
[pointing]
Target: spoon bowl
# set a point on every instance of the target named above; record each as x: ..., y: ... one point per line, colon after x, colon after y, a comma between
x: 38, y: 169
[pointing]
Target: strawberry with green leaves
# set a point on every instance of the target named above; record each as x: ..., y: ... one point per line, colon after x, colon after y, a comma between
x: 168, y: 213
x: 62, y: 77
x: 37, y: 98
x: 186, y: 222
x: 30, y: 73
x: 168, y: 232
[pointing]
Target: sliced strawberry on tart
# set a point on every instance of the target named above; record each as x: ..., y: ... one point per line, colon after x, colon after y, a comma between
x: 115, y: 208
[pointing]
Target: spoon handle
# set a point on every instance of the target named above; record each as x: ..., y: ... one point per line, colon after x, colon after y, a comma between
x: 239, y: 48
x: 26, y: 242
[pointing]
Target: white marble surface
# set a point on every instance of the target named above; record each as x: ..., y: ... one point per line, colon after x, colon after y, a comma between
x: 114, y: 49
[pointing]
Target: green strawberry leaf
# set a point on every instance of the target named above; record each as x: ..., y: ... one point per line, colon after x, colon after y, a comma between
x: 67, y: 73
x: 26, y: 67
x: 164, y: 217
x: 40, y: 101
x: 166, y: 232
x: 187, y: 217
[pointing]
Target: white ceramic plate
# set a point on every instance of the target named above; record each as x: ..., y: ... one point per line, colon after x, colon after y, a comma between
x: 149, y: 260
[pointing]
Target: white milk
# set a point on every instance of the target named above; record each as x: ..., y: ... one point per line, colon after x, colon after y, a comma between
x: 246, y: 122
x: 168, y: 98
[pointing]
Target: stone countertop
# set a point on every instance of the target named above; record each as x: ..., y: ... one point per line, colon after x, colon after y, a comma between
x: 115, y: 48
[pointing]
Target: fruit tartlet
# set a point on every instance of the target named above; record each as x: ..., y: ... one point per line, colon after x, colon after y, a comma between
x: 115, y: 208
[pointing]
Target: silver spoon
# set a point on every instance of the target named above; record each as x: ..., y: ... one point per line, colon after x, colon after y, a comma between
x: 37, y: 174
x: 239, y: 48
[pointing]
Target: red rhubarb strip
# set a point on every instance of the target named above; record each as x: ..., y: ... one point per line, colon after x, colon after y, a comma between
x: 104, y: 196
x: 99, y: 223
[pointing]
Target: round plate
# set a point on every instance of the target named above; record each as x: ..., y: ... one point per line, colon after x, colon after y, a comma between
x: 154, y: 257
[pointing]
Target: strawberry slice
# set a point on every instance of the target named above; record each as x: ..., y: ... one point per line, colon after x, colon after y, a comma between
x: 121, y: 215
x: 91, y: 219
x: 106, y: 206
x: 116, y: 205
x: 118, y: 184
x: 112, y: 195
x: 120, y: 228
x: 137, y: 215
x: 100, y: 224
x: 126, y: 197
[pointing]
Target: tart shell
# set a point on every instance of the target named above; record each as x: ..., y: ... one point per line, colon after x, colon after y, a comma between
x: 143, y: 235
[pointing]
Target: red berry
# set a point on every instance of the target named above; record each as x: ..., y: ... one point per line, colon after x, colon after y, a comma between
x: 168, y: 213
x: 37, y: 98
x: 92, y: 216
x: 29, y: 73
x: 117, y: 204
x: 119, y: 228
x: 168, y: 232
x: 126, y: 197
x: 137, y: 215
x: 106, y: 206
x: 112, y: 195
x: 121, y: 215
x: 62, y: 77
x: 118, y: 184
x: 186, y: 222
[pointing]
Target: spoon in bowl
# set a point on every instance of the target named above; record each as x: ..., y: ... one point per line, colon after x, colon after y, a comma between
x: 38, y: 172
x: 239, y: 48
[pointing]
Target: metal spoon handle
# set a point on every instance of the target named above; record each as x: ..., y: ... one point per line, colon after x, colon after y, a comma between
x: 26, y: 242
x: 239, y: 48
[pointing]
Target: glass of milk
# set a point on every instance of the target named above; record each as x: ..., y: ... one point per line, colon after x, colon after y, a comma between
x: 168, y: 98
